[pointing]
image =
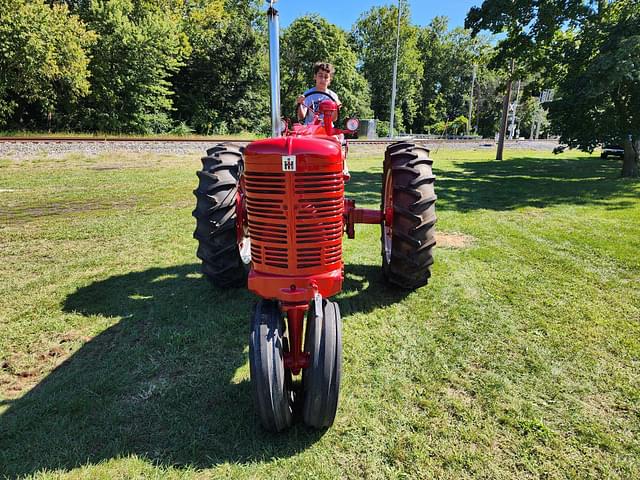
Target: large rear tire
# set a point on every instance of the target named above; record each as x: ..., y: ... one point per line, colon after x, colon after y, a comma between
x: 271, y: 388
x: 409, y: 199
x: 321, y: 379
x: 216, y: 216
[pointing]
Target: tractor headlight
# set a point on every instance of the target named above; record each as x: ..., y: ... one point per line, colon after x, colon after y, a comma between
x: 353, y: 124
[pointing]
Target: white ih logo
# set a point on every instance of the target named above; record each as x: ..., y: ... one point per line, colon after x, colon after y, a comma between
x: 288, y: 163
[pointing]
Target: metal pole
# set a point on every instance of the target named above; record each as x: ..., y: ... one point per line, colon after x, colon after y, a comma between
x: 395, y: 74
x: 274, y: 68
x: 473, y: 81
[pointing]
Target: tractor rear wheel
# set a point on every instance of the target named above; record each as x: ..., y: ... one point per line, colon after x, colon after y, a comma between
x: 409, y: 213
x: 224, y: 258
x: 321, y: 379
x: 271, y: 388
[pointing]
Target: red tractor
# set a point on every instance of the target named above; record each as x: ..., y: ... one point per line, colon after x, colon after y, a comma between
x: 272, y: 216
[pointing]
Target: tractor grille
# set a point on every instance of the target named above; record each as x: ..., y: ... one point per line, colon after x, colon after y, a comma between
x: 295, y: 220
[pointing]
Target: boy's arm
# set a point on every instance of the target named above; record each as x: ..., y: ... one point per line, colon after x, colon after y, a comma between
x: 301, y: 108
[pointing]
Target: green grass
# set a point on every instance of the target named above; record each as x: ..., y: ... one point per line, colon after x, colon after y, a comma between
x: 520, y: 359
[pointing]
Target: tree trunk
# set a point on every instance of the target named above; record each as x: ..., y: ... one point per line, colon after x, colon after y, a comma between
x: 631, y: 157
x: 505, y: 112
x: 503, y: 121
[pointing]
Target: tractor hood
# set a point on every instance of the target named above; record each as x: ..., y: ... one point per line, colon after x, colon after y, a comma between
x: 294, y: 154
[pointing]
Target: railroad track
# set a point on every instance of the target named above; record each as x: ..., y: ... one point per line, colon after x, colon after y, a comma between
x: 188, y: 140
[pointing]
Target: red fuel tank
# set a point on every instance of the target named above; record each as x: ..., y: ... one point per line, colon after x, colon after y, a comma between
x: 294, y: 192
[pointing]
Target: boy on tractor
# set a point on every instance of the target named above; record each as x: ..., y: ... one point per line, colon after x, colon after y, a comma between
x: 307, y: 104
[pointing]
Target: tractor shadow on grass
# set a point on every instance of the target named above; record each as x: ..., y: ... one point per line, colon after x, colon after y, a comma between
x: 517, y: 182
x: 167, y: 382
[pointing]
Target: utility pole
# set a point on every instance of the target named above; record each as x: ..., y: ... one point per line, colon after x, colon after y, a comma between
x: 395, y: 75
x: 505, y: 111
x: 473, y: 81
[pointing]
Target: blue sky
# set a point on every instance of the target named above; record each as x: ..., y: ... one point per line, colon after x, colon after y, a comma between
x: 344, y: 12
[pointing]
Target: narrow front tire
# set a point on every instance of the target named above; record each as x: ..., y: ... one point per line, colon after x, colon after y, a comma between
x: 321, y: 379
x: 271, y: 390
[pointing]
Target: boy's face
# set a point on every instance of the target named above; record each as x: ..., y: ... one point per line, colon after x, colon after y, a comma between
x: 323, y: 79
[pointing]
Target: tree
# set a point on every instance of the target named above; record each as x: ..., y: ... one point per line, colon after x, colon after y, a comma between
x: 43, y: 61
x: 375, y: 37
x: 533, y: 117
x: 224, y: 85
x: 310, y: 39
x: 599, y: 97
x: 529, y: 25
x: 488, y: 103
x: 458, y: 124
x: 140, y: 46
x: 449, y: 58
x: 594, y: 64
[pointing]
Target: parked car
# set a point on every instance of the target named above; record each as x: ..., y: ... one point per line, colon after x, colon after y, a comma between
x: 559, y: 149
x: 612, y: 151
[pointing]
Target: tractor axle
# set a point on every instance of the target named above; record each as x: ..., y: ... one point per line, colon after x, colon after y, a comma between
x: 353, y: 215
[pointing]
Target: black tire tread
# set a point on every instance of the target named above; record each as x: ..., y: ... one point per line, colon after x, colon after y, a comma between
x: 321, y: 379
x: 215, y: 214
x: 266, y: 366
x: 414, y: 222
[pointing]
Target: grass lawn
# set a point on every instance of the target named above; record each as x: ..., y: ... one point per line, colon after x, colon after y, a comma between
x: 520, y: 359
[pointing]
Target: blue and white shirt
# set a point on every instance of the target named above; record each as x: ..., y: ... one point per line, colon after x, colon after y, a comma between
x: 313, y: 101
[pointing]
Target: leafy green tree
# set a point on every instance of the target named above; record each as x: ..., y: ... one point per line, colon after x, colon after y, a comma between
x: 528, y: 26
x: 140, y: 46
x: 375, y: 36
x: 433, y: 105
x: 590, y: 51
x: 598, y: 100
x: 43, y: 61
x: 488, y: 101
x: 310, y: 39
x: 449, y: 58
x: 533, y: 117
x: 224, y: 85
x: 439, y: 128
x: 458, y: 124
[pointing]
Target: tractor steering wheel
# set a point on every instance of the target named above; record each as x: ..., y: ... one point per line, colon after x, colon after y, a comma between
x: 318, y: 92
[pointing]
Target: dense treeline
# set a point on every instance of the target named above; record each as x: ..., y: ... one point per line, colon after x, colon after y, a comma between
x: 588, y: 52
x: 153, y: 66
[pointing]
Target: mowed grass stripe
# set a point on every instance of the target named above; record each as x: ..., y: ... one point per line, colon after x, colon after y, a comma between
x: 519, y: 360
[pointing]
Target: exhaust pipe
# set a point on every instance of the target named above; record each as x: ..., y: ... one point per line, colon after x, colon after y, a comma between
x: 274, y: 68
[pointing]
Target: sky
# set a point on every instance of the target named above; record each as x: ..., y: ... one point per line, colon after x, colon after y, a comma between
x: 344, y: 13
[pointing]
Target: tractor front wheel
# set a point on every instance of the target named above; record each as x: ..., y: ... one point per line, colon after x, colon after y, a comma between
x: 321, y: 379
x: 409, y: 215
x: 225, y: 256
x: 271, y: 387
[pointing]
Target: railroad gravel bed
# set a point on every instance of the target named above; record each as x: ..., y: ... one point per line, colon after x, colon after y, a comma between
x: 59, y: 149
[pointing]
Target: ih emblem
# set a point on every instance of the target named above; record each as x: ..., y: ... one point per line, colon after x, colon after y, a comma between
x: 288, y: 163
